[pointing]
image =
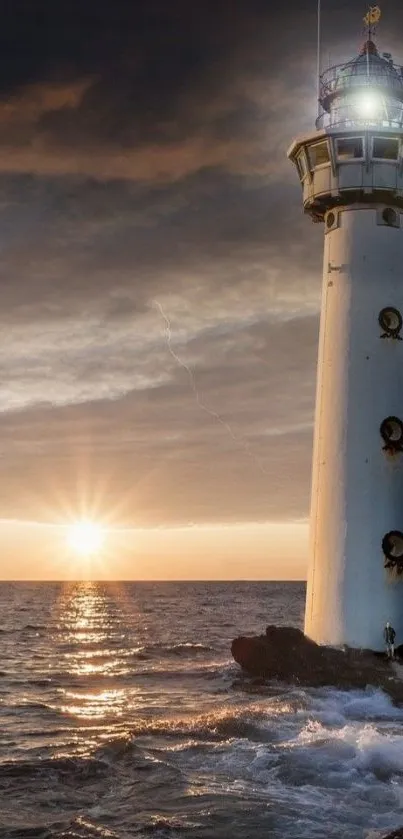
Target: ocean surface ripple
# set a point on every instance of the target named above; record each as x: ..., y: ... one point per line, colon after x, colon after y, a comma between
x: 123, y: 715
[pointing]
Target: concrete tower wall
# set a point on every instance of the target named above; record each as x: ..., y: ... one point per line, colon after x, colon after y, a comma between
x: 357, y: 488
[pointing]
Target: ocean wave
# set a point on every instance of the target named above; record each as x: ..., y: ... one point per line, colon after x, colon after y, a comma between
x: 166, y: 826
x: 83, y: 828
x: 124, y: 750
x: 28, y: 627
x: 79, y: 827
x: 145, y: 669
x: 183, y: 649
x: 361, y: 749
x: 28, y: 832
x: 35, y: 627
x: 62, y: 770
x: 223, y: 724
x: 335, y: 706
x: 30, y: 705
x: 186, y: 647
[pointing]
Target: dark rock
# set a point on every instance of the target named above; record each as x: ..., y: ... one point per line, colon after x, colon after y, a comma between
x: 399, y: 652
x: 397, y: 834
x: 286, y: 654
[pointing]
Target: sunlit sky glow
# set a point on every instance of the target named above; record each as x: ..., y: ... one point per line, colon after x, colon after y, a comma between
x: 141, y: 171
x: 198, y: 552
x: 85, y: 538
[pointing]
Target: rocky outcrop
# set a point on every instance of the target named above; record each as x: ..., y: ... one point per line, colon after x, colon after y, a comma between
x: 284, y: 653
x: 397, y: 834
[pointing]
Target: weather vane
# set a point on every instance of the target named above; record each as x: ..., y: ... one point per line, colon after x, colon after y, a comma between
x: 371, y: 19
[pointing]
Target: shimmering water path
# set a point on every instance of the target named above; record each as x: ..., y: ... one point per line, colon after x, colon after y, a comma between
x: 122, y: 715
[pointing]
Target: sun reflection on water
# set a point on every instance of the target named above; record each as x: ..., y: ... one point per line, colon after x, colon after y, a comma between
x: 92, y: 706
x: 94, y: 647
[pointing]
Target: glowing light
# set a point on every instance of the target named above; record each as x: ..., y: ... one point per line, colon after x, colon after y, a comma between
x: 368, y: 105
x: 85, y: 537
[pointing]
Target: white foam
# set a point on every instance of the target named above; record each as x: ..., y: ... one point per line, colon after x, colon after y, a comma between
x: 328, y: 763
x: 341, y: 754
x: 359, y: 705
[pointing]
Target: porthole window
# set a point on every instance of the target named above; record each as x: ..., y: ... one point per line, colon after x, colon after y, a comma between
x: 330, y: 219
x: 390, y: 321
x: 392, y: 547
x: 349, y: 148
x: 385, y: 148
x: 318, y: 154
x: 392, y: 434
x: 390, y: 217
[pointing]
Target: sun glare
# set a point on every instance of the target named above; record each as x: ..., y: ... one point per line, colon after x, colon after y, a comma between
x: 85, y: 537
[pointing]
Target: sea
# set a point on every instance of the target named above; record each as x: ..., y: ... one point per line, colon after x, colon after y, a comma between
x: 123, y: 715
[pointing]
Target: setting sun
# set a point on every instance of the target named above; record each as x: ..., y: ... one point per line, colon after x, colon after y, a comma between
x: 85, y: 537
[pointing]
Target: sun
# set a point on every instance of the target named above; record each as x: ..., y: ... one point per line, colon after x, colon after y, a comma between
x: 85, y: 537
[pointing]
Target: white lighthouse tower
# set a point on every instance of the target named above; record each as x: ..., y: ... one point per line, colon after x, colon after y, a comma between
x: 351, y: 171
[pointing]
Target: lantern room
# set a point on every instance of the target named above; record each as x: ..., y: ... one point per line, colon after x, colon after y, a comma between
x: 364, y: 93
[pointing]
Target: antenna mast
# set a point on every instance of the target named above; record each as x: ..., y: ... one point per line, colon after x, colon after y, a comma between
x: 318, y: 53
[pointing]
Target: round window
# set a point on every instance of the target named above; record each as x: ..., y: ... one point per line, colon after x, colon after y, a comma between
x: 392, y: 546
x: 392, y: 433
x: 390, y: 320
x: 389, y: 216
x: 330, y: 220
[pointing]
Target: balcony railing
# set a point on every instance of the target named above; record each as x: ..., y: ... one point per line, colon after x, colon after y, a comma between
x: 382, y: 75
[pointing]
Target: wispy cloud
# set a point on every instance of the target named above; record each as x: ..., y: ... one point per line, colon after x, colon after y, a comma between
x: 143, y: 162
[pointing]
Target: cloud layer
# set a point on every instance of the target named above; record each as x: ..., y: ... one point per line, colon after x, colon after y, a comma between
x: 143, y: 165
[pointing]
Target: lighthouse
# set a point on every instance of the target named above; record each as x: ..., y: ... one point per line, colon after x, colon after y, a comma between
x: 351, y: 173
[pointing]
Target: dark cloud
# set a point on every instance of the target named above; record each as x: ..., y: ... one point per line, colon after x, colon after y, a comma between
x: 79, y: 245
x: 102, y: 89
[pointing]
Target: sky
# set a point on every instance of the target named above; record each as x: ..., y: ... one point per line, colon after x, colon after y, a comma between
x: 159, y: 283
